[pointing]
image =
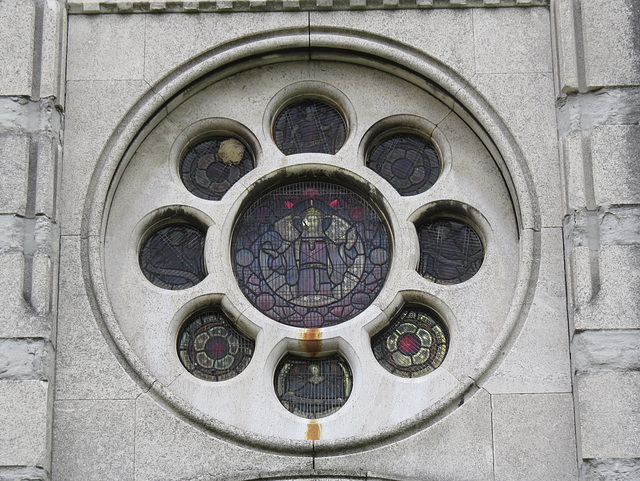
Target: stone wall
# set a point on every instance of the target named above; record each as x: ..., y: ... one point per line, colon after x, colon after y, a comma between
x: 561, y: 79
x: 33, y: 35
x: 598, y: 116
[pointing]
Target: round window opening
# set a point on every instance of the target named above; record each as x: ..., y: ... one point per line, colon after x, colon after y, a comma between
x: 311, y: 254
x: 308, y: 308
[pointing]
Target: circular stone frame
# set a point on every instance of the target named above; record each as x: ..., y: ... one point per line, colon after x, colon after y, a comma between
x: 346, y: 47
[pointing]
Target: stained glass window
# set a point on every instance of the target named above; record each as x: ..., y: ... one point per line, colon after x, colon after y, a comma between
x: 311, y: 254
x: 172, y: 257
x: 212, y: 349
x: 450, y: 251
x: 309, y: 126
x: 414, y: 344
x: 408, y: 162
x: 210, y: 167
x: 313, y: 388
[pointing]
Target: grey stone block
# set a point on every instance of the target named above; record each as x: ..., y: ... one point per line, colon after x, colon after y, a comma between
x: 605, y: 287
x: 178, y: 38
x: 23, y: 473
x: 17, y: 23
x: 25, y: 420
x: 168, y: 447
x: 14, y: 156
x: 564, y: 31
x: 512, y: 40
x: 93, y: 111
x: 26, y: 359
x: 53, y: 52
x: 444, y: 34
x: 107, y: 47
x: 611, y: 469
x: 615, y: 151
x: 609, y: 415
x: 611, y: 59
x: 93, y: 440
x: 538, y: 362
x: 16, y: 317
x: 86, y: 367
x: 457, y: 447
x: 525, y: 102
x: 533, y: 436
x: 607, y: 350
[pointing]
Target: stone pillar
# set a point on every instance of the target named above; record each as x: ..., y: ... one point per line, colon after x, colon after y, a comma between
x: 32, y: 35
x: 598, y: 110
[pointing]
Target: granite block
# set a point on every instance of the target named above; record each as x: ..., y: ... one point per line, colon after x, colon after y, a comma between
x: 25, y: 420
x: 512, y: 40
x: 534, y: 437
x: 93, y: 440
x: 609, y: 414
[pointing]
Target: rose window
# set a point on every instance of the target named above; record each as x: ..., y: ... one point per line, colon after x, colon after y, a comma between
x: 311, y: 261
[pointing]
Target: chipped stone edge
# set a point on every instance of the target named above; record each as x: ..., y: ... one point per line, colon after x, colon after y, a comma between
x: 85, y: 7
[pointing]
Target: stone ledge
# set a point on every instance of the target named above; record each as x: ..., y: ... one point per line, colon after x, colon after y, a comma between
x: 602, y: 107
x: 23, y: 473
x: 606, y: 226
x: 186, y: 6
x: 606, y: 350
x: 26, y: 359
x: 609, y: 469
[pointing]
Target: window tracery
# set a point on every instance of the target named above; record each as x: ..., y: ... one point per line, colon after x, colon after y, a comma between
x: 325, y: 244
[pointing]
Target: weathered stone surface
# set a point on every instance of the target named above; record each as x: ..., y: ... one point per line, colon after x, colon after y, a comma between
x: 85, y: 366
x: 525, y: 102
x: 178, y: 38
x: 169, y: 448
x: 106, y: 48
x: 450, y: 37
x: 606, y: 226
x: 614, y: 152
x: 93, y: 440
x: 26, y: 359
x: 17, y: 22
x: 611, y: 58
x: 604, y: 107
x: 93, y: 111
x: 609, y: 415
x: 533, y: 436
x: 29, y: 150
x: 611, y: 469
x: 512, y: 40
x: 25, y: 419
x: 564, y: 35
x: 191, y: 6
x: 53, y: 37
x: 457, y: 447
x: 14, y: 155
x: 604, y: 283
x: 538, y: 362
x: 22, y: 473
x: 606, y: 350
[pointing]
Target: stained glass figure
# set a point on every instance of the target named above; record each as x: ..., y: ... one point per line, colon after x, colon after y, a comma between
x: 311, y: 254
x: 408, y: 162
x: 450, y: 251
x: 309, y: 126
x: 211, y: 348
x: 210, y: 167
x: 172, y: 257
x: 414, y: 344
x: 313, y: 388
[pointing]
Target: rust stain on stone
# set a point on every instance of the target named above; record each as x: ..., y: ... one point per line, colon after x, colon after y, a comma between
x: 311, y: 341
x: 314, y: 430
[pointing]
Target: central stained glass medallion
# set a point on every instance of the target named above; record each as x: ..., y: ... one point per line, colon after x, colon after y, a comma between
x: 311, y: 254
